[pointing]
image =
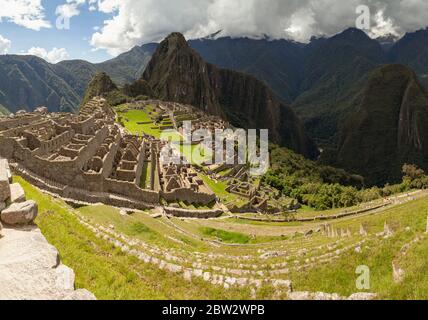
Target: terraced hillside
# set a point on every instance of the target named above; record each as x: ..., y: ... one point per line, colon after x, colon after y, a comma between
x: 123, y: 253
x: 118, y: 253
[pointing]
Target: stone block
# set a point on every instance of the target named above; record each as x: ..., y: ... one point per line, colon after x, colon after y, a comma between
x: 17, y: 193
x: 20, y: 213
x: 4, y: 180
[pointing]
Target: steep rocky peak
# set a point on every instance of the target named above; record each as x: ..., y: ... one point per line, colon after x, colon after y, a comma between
x: 100, y: 85
x: 173, y: 42
x: 178, y: 73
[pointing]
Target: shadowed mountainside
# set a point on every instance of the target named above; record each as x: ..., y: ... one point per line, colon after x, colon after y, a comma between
x: 387, y: 128
x: 27, y: 82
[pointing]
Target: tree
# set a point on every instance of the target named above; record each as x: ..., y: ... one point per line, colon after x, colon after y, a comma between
x: 412, y: 172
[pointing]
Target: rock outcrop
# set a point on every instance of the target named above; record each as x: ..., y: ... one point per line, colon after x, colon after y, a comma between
x: 177, y: 73
x: 4, y: 181
x: 30, y: 268
x: 100, y: 86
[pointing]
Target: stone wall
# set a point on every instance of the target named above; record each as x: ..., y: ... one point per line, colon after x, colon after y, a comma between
x: 7, y: 147
x: 89, y: 153
x: 197, y: 214
x: 188, y: 195
x: 30, y: 267
x: 83, y: 195
x: 18, y: 122
x: 130, y: 189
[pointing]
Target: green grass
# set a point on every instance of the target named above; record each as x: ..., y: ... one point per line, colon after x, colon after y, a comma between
x: 132, y: 120
x: 133, y: 126
x: 339, y: 276
x: 196, y: 154
x: 110, y: 274
x: 195, y: 206
x: 139, y: 227
x: 219, y: 188
x: 226, y: 236
x: 106, y: 271
x: 265, y: 223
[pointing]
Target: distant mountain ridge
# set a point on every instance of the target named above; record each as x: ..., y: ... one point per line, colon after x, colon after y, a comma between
x: 282, y: 64
x: 27, y: 82
x: 367, y: 113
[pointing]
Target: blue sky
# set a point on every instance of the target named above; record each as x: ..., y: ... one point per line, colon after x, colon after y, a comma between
x: 76, y: 40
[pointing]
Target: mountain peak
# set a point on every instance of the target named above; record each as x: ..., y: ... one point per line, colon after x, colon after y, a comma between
x: 100, y: 85
x: 175, y: 39
x: 178, y: 73
x: 353, y: 34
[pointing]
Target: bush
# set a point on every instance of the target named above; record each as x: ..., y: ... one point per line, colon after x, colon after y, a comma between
x: 322, y: 187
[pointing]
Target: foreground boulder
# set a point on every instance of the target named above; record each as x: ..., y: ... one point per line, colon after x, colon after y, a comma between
x: 20, y: 213
x: 30, y: 269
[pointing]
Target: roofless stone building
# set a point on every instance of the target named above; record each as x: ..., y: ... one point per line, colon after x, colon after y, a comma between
x: 88, y: 157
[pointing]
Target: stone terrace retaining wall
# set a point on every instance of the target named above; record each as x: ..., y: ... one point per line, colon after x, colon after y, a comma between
x: 188, y: 195
x: 79, y: 194
x: 199, y: 214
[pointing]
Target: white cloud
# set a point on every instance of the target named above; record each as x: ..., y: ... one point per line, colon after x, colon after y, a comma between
x: 26, y: 13
x: 135, y: 22
x: 4, y: 45
x: 108, y: 6
x: 53, y: 56
x: 70, y: 8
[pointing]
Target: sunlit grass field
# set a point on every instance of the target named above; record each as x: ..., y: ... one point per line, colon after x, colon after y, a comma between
x: 105, y: 270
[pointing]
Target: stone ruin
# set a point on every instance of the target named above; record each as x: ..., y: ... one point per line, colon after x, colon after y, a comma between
x: 182, y: 183
x: 29, y: 265
x: 89, y: 158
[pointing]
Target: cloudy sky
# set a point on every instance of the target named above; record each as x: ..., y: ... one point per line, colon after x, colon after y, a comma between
x: 97, y: 30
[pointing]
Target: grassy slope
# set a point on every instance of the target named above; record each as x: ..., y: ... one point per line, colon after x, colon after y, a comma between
x: 378, y: 255
x: 135, y: 116
x: 111, y: 274
x: 196, y: 153
x: 106, y: 271
x: 219, y: 188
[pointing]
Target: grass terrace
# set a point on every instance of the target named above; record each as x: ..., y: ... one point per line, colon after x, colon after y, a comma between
x: 139, y: 121
x: 113, y: 274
